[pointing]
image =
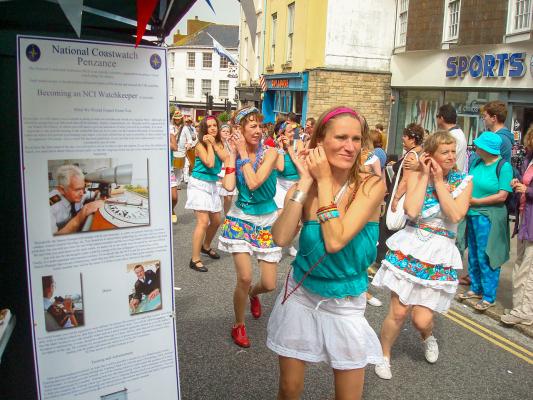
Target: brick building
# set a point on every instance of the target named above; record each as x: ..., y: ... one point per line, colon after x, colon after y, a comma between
x: 464, y: 52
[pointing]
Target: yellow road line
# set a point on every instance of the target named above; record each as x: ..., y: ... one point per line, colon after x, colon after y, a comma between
x: 486, y: 330
x: 492, y: 340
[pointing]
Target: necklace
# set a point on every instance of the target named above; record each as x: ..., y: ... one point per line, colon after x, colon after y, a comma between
x: 341, y: 192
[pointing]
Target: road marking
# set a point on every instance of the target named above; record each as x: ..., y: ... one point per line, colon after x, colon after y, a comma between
x: 492, y: 333
x: 490, y: 339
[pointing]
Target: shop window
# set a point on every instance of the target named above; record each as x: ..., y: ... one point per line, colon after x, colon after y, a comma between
x: 191, y: 60
x: 207, y: 60
x: 452, y: 13
x: 519, y: 16
x: 286, y: 101
x: 223, y: 89
x: 206, y: 86
x: 190, y: 87
x: 401, y: 24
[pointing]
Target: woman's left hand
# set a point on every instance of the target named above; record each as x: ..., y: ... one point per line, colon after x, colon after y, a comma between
x: 436, y: 171
x: 520, y: 188
x: 317, y: 164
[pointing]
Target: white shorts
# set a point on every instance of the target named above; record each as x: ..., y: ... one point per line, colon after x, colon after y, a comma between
x: 313, y: 328
x: 203, y: 196
x: 224, y: 192
x: 282, y: 187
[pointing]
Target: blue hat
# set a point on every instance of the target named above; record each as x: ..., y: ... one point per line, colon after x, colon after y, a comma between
x: 489, y: 142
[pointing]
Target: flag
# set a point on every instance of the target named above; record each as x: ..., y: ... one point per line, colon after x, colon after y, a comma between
x: 263, y: 83
x: 73, y: 10
x: 248, y: 8
x: 145, y: 9
x: 222, y: 52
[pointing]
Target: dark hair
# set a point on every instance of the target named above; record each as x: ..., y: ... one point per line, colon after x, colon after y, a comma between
x: 48, y: 281
x: 138, y: 266
x: 293, y: 117
x: 447, y: 113
x: 203, y: 129
x: 312, y: 120
x: 414, y: 131
x: 496, y: 109
x: 380, y: 127
x: 376, y: 138
x: 278, y: 126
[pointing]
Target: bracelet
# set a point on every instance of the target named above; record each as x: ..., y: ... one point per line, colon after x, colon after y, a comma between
x: 330, y: 207
x: 298, y: 196
x: 281, y: 151
x: 229, y: 170
x: 242, y: 162
x: 326, y: 215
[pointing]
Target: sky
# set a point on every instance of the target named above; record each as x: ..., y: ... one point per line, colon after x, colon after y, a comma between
x: 226, y: 12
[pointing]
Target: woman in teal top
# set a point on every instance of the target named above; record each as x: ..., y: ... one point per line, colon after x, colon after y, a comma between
x: 319, y: 315
x: 246, y: 230
x: 203, y: 193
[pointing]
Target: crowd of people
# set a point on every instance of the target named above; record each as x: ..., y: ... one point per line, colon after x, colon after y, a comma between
x: 326, y: 184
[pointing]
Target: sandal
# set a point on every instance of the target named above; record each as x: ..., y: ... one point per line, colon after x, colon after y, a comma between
x: 194, y: 265
x: 211, y: 253
x: 469, y: 295
x: 483, y: 305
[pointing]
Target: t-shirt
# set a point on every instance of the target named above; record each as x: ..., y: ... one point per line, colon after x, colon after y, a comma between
x: 460, y: 148
x: 486, y: 182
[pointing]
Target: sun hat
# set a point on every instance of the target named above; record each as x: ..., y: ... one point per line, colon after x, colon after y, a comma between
x: 177, y: 115
x: 489, y: 142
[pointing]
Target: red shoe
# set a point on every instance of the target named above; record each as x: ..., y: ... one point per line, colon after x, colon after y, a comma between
x: 255, y: 307
x: 238, y: 333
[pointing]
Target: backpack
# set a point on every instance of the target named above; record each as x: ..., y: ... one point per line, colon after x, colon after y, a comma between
x: 511, y: 203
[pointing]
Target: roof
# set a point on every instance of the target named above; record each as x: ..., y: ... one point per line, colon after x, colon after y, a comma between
x: 226, y: 35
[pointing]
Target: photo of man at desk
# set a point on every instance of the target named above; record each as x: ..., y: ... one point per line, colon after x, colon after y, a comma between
x: 63, y: 310
x: 146, y: 293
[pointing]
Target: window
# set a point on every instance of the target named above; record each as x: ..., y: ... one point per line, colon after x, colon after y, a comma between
x: 290, y: 30
x: 171, y: 85
x: 519, y: 16
x: 273, y: 38
x: 451, y: 20
x: 223, y: 88
x: 207, y: 60
x: 172, y: 55
x: 206, y: 86
x: 223, y: 62
x: 401, y: 31
x: 191, y: 58
x: 190, y: 87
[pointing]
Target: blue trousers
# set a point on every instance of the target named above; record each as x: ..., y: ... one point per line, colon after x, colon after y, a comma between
x: 484, y: 279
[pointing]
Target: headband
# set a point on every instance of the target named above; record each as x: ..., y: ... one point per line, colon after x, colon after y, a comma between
x: 209, y: 117
x: 225, y: 126
x: 244, y: 112
x: 338, y: 111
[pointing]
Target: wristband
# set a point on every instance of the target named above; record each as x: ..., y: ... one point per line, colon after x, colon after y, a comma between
x: 281, y: 151
x: 242, y: 162
x: 298, y: 196
x: 229, y: 170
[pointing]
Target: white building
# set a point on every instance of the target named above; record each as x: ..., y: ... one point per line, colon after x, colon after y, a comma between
x: 195, y: 69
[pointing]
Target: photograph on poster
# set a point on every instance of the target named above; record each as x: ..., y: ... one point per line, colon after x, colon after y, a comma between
x: 63, y: 301
x: 97, y: 194
x: 120, y: 395
x: 145, y: 286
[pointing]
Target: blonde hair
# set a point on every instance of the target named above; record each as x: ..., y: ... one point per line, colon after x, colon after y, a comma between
x: 528, y: 138
x: 433, y: 141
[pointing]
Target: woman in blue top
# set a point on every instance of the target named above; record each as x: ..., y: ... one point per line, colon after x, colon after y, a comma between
x: 202, y: 192
x: 246, y: 230
x: 319, y: 315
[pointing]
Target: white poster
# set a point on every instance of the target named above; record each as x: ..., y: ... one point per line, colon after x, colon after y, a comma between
x: 95, y: 170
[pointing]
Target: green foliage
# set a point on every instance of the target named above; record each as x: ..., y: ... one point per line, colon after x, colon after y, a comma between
x: 137, y: 189
x: 224, y: 117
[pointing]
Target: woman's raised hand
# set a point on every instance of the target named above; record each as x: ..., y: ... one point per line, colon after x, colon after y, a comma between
x: 317, y: 164
x: 208, y: 139
x: 425, y: 163
x: 436, y: 171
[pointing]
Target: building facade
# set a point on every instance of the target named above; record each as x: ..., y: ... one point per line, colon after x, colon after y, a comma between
x: 463, y: 52
x: 318, y: 54
x: 196, y: 71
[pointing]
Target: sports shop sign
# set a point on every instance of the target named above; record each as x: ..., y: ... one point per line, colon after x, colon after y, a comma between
x: 499, y: 65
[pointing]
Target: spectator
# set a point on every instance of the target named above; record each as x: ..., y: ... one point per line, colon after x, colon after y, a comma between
x: 447, y: 120
x: 494, y: 116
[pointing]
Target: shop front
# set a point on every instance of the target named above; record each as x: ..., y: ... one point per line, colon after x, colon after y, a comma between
x: 467, y: 78
x: 285, y: 93
x: 248, y: 96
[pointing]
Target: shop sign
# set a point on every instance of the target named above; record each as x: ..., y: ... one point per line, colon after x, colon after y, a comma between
x: 279, y: 83
x: 501, y: 65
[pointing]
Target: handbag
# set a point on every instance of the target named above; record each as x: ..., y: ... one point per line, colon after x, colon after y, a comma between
x: 396, y: 219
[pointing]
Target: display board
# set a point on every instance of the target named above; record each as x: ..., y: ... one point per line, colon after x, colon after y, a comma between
x: 95, y: 180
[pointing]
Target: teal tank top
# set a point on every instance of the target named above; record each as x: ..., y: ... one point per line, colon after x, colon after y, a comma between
x: 200, y: 171
x: 289, y: 172
x: 340, y: 274
x: 260, y: 201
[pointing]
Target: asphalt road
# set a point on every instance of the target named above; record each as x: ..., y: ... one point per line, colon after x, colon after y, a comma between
x: 212, y: 367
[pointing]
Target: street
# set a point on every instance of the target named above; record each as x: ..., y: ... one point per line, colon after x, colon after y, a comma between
x: 495, y: 365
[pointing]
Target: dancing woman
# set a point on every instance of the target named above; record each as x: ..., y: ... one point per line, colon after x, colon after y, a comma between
x: 202, y: 192
x: 319, y: 315
x: 420, y: 267
x: 227, y: 197
x: 246, y: 230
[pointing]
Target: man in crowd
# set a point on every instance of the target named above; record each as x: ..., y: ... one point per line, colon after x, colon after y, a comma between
x: 148, y: 284
x: 494, y: 116
x: 447, y: 120
x: 70, y: 205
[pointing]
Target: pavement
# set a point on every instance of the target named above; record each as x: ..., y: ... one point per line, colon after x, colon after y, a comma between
x: 479, y: 358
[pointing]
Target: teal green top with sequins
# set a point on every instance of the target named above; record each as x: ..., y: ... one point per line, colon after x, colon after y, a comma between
x: 259, y: 201
x: 200, y: 171
x: 289, y: 171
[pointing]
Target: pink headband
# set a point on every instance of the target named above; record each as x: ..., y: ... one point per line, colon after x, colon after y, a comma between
x: 337, y: 111
x: 209, y: 117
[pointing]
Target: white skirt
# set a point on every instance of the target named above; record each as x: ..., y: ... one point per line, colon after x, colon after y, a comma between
x: 203, y: 196
x: 411, y: 290
x: 254, y: 229
x: 313, y: 328
x: 282, y: 187
x: 224, y: 192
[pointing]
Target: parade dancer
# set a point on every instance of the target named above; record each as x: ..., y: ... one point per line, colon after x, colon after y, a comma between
x: 227, y: 197
x: 246, y: 230
x: 420, y: 267
x: 319, y: 314
x: 203, y: 193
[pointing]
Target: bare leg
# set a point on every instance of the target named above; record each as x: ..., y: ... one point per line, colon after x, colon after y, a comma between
x: 291, y: 378
x: 243, y: 268
x: 422, y: 319
x: 268, y: 278
x: 174, y: 193
x: 349, y: 383
x: 214, y: 223
x: 392, y: 324
x: 228, y: 201
x: 202, y: 222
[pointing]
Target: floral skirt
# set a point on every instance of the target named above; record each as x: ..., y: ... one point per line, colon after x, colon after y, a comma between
x: 242, y: 233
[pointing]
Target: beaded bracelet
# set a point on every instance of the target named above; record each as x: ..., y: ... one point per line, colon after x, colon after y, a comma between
x: 327, y: 215
x: 329, y: 207
x: 230, y: 170
x: 242, y: 162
